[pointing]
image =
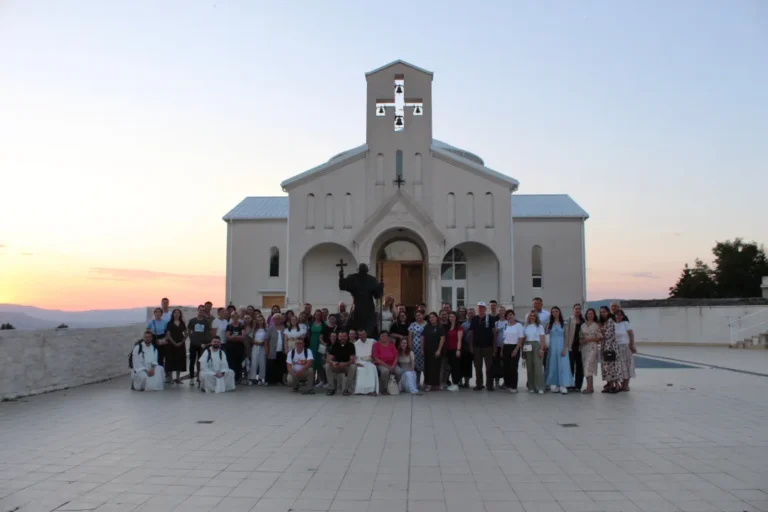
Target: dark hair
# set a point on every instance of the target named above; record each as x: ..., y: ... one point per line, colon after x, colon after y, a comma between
x: 609, y: 317
x: 430, y: 315
x: 586, y: 315
x: 231, y: 307
x: 403, y: 344
x: 216, y: 338
x: 164, y: 298
x: 201, y: 306
x: 552, y: 317
x: 181, y: 315
x: 156, y: 310
x: 208, y: 302
x: 537, y: 299
x: 492, y: 301
x: 626, y: 318
x: 510, y: 310
x: 221, y: 309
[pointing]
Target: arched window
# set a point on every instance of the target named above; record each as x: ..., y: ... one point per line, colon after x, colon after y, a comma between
x: 347, y: 210
x: 451, y: 210
x: 536, y: 266
x: 274, y: 262
x: 310, y: 211
x: 399, y: 164
x: 470, y: 210
x: 418, y: 174
x: 379, y: 169
x: 329, y: 211
x: 453, y: 278
x: 488, y: 210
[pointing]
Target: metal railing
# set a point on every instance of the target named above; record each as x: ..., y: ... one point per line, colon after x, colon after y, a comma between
x: 747, y: 326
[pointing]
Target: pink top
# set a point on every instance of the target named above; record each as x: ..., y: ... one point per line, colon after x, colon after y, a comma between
x: 387, y: 354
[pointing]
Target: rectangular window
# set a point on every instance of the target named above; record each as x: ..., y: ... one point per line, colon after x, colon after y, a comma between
x: 446, y: 272
x: 447, y: 294
x: 537, y: 281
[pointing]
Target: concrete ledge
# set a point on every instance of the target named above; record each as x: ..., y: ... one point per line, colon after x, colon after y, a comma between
x: 34, y: 362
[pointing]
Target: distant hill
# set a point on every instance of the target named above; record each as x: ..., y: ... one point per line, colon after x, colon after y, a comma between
x: 31, y: 317
x: 597, y: 304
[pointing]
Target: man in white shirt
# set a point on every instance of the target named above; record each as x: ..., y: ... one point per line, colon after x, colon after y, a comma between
x: 147, y: 374
x: 538, y: 307
x: 165, y: 305
x: 215, y: 375
x: 299, y: 366
x: 219, y: 325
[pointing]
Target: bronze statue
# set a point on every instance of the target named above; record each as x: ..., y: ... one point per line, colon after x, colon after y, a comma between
x: 364, y: 289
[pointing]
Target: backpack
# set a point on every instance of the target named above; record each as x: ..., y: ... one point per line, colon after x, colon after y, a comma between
x: 130, y: 356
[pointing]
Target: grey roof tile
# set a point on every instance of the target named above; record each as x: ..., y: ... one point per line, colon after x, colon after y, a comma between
x: 546, y: 205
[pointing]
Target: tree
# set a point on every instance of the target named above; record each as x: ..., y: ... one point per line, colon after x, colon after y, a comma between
x: 7, y: 327
x: 695, y: 283
x: 739, y: 268
x: 738, y: 272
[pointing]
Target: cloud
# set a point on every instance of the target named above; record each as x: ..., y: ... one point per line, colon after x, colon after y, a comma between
x: 642, y: 275
x: 137, y: 274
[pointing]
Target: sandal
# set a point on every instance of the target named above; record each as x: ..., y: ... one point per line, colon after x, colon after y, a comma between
x: 587, y: 391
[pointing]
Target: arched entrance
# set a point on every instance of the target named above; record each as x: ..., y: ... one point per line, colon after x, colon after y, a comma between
x: 400, y: 255
x: 320, y: 275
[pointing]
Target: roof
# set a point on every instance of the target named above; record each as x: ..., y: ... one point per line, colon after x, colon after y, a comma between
x: 461, y: 156
x: 254, y: 208
x: 546, y: 206
x: 399, y: 61
x: 523, y: 206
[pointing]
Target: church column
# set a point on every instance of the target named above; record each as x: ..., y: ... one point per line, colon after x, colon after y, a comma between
x: 433, y: 287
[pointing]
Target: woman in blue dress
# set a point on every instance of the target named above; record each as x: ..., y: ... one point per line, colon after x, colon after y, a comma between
x: 559, y: 375
x: 414, y: 340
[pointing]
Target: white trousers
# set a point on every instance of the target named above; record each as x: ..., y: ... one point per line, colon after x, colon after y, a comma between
x: 143, y: 382
x: 258, y: 363
x: 213, y: 384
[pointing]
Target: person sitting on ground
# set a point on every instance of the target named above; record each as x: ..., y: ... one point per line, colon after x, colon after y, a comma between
x: 147, y: 374
x: 299, y: 366
x: 215, y: 375
x: 341, y: 364
x: 385, y: 359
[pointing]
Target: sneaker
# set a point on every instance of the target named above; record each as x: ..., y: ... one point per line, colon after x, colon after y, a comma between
x: 310, y: 391
x: 553, y: 389
x: 512, y: 390
x: 531, y: 390
x: 479, y: 388
x: 541, y: 391
x: 320, y: 385
x: 563, y: 390
x: 452, y: 387
x: 330, y: 392
x: 295, y: 389
x: 346, y: 392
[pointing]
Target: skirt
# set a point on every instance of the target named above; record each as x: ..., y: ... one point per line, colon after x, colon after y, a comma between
x: 175, y: 358
x: 589, y: 354
x: 627, y: 360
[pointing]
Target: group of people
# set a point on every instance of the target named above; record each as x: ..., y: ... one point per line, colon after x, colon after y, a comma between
x: 429, y: 352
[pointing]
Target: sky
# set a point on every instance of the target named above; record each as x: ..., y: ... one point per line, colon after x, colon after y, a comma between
x: 129, y: 128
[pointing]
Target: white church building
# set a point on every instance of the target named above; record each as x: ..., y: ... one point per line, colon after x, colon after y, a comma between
x: 429, y: 219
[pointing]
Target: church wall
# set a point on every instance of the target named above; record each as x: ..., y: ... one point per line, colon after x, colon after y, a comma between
x: 248, y: 260
x: 349, y: 179
x: 562, y: 271
x: 321, y: 276
x: 482, y: 274
x: 447, y: 179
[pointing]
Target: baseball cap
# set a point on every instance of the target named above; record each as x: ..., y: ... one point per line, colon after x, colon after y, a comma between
x: 482, y: 304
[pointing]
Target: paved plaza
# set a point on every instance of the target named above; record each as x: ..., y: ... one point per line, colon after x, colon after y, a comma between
x: 687, y: 437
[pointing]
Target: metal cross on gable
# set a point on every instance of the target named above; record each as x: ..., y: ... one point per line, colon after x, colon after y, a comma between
x: 399, y: 104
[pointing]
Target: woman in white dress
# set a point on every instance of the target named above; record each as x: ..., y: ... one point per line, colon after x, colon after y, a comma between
x: 293, y: 331
x: 387, y: 313
x: 367, y: 378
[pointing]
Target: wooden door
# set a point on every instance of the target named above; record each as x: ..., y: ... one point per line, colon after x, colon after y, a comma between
x: 412, y: 283
x: 267, y: 301
x: 392, y: 279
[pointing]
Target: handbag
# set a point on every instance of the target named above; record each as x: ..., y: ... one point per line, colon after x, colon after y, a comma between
x: 609, y: 355
x: 392, y: 387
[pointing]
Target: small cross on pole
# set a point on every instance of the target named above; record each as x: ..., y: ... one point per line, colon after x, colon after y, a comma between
x: 341, y: 266
x: 399, y: 181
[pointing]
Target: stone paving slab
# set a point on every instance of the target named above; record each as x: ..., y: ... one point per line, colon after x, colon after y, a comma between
x: 681, y: 440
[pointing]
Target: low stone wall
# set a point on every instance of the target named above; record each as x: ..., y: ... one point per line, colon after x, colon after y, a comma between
x: 33, y: 362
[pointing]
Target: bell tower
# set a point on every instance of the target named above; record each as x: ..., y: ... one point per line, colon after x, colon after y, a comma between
x: 398, y: 131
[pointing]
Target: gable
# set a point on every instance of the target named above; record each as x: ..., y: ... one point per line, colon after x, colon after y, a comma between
x: 336, y: 162
x: 400, y: 204
x: 396, y: 62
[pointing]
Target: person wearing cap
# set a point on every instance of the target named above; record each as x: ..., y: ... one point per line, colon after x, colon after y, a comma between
x: 215, y: 375
x: 482, y: 341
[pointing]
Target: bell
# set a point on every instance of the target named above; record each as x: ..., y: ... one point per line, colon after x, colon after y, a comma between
x: 417, y: 111
x: 381, y: 111
x: 399, y: 121
x: 399, y: 89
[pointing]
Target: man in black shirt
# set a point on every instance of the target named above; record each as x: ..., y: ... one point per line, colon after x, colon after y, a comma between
x: 199, y: 329
x: 482, y: 341
x: 341, y: 363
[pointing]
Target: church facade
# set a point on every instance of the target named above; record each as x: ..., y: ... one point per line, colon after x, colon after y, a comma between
x: 431, y: 221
